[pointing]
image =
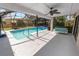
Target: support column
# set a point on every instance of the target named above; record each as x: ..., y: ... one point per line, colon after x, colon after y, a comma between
x: 51, y: 24
x: 37, y: 24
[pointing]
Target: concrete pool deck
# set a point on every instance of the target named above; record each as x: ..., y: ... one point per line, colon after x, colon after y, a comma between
x: 60, y: 45
x: 54, y: 45
x: 30, y: 47
x: 5, y: 47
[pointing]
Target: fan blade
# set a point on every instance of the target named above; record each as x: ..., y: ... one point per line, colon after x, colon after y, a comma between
x: 56, y: 12
x: 51, y: 8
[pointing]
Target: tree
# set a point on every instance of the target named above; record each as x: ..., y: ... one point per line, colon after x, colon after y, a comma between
x: 61, y: 21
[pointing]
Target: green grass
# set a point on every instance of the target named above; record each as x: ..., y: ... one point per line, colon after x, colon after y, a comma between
x: 6, y: 29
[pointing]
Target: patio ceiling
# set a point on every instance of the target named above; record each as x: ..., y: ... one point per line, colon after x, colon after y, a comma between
x: 41, y: 8
x: 64, y: 8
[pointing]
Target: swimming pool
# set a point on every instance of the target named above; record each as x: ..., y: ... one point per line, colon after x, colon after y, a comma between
x: 22, y: 33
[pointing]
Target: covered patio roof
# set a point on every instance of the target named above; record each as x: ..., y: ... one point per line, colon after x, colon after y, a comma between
x: 41, y: 9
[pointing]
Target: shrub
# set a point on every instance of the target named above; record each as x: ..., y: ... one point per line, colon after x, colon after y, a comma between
x: 20, y: 23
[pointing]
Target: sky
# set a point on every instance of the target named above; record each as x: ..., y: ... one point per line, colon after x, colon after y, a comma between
x: 11, y: 15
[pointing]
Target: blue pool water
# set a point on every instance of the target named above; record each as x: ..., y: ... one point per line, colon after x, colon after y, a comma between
x: 22, y: 33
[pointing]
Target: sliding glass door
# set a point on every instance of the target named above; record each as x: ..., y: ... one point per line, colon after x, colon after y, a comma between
x: 0, y: 26
x: 76, y: 28
x: 78, y: 32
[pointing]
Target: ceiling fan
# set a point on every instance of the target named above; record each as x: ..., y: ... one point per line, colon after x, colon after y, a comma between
x: 52, y: 11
